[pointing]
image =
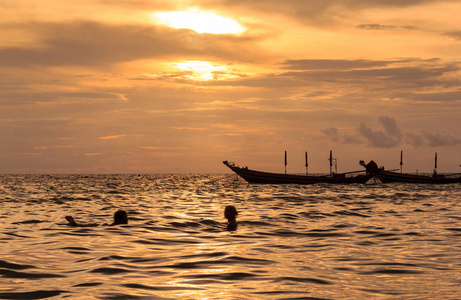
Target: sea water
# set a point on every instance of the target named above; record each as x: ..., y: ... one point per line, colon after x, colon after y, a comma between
x: 361, y: 241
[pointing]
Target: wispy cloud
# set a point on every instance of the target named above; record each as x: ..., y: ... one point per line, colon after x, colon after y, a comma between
x: 93, y: 154
x: 332, y: 133
x: 454, y: 34
x: 384, y: 27
x: 441, y: 140
x: 163, y: 148
x: 112, y: 137
x: 53, y: 147
x: 118, y: 136
x: 322, y: 12
x: 188, y: 128
x: 93, y: 44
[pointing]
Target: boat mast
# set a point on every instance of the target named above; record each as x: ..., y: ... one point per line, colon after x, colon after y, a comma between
x: 401, y: 160
x: 435, y: 164
x: 331, y: 161
x: 285, y: 161
x: 307, y: 165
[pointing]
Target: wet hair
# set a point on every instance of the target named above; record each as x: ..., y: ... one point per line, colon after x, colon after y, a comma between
x: 120, y: 217
x: 230, y: 212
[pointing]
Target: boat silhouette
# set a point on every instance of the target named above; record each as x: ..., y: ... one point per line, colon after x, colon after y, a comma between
x: 386, y: 176
x: 253, y: 176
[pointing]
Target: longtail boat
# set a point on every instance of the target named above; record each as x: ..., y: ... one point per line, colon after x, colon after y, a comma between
x: 390, y: 176
x: 386, y: 176
x: 253, y: 176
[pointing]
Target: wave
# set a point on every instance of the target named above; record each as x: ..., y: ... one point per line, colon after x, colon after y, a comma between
x: 40, y: 294
x: 292, y: 242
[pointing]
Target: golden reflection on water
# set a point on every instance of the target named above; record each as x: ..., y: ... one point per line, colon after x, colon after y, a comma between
x: 356, y: 242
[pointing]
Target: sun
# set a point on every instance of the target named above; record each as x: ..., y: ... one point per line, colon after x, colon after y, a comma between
x: 201, y: 70
x: 204, y: 71
x: 198, y: 21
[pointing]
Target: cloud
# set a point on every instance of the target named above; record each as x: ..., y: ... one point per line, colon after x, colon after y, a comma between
x: 188, y: 128
x: 332, y: 64
x: 390, y: 77
x: 352, y: 139
x: 391, y: 136
x: 454, y: 34
x: 434, y: 97
x: 441, y: 140
x: 350, y: 64
x: 323, y: 13
x: 414, y: 140
x: 52, y: 147
x: 331, y: 133
x: 163, y: 148
x: 432, y: 139
x: 95, y: 44
x: 377, y: 76
x: 384, y: 27
x: 390, y: 127
x: 119, y: 136
x: 112, y: 137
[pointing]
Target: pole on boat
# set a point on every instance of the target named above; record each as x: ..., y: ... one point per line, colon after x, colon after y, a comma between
x: 401, y: 160
x: 307, y: 165
x: 435, y: 164
x: 285, y: 161
x: 331, y: 161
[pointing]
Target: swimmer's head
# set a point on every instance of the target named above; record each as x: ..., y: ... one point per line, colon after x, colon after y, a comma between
x: 120, y: 217
x: 230, y: 212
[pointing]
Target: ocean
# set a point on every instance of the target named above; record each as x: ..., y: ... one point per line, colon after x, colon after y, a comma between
x: 360, y: 241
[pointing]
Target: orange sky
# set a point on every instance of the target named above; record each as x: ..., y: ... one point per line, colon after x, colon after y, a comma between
x: 179, y: 86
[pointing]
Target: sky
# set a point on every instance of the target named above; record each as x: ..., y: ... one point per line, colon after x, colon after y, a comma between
x: 146, y: 86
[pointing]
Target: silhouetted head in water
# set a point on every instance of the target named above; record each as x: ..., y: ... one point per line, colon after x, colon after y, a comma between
x: 230, y: 213
x: 71, y: 221
x: 120, y: 217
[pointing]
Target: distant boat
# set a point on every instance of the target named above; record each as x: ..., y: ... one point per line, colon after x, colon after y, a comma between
x: 390, y: 176
x: 253, y: 176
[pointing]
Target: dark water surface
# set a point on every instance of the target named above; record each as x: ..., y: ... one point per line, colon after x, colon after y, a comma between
x: 378, y: 241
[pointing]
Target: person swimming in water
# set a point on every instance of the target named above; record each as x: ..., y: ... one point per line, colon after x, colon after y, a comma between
x: 230, y: 213
x: 120, y: 217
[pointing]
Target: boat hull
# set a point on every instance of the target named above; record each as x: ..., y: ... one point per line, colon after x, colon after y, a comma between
x: 253, y: 176
x: 388, y: 176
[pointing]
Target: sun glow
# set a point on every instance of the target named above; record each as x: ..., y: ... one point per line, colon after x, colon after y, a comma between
x: 199, y: 21
x: 203, y: 70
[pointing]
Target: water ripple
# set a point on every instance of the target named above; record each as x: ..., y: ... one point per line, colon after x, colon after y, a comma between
x: 40, y: 294
x: 373, y: 241
x: 14, y: 274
